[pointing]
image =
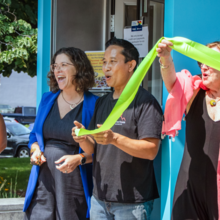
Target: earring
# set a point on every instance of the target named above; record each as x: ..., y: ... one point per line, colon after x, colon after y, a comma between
x: 77, y: 89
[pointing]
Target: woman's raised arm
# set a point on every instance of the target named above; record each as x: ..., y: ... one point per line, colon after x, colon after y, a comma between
x: 166, y: 64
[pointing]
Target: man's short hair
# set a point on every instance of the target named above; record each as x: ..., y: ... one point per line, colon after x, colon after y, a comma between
x: 130, y: 52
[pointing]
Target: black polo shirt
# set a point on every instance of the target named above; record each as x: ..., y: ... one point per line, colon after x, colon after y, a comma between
x: 118, y: 176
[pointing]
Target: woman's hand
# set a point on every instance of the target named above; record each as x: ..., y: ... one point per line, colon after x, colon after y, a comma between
x: 76, y: 138
x: 37, y: 152
x: 164, y: 49
x: 70, y: 162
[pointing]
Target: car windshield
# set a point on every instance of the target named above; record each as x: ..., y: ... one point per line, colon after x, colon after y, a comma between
x: 30, y: 111
x: 17, y: 129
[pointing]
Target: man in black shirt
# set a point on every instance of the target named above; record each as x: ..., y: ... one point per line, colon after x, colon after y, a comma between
x: 123, y: 174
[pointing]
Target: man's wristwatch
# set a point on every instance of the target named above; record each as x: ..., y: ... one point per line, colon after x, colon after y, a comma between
x: 83, y: 160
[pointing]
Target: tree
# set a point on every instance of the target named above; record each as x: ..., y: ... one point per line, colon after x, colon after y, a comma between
x: 18, y: 36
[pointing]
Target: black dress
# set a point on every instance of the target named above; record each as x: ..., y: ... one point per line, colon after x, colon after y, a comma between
x: 196, y: 188
x: 58, y: 196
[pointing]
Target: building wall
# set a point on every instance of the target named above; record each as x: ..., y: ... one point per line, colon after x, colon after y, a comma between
x: 18, y: 90
x: 197, y: 20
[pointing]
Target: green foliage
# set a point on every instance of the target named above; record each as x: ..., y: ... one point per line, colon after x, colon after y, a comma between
x: 8, y: 192
x: 18, y: 36
x: 9, y: 168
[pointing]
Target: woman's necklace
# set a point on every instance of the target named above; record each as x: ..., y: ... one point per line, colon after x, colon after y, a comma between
x: 72, y: 106
x: 213, y: 102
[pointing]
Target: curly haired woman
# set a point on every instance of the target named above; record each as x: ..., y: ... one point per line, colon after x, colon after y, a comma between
x: 60, y: 183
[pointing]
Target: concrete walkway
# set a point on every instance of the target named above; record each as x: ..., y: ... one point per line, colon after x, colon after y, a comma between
x: 11, y: 209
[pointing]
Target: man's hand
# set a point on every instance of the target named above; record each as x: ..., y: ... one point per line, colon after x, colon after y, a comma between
x: 76, y: 138
x: 105, y: 137
x: 70, y: 162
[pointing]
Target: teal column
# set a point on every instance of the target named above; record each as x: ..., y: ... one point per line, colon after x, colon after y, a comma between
x: 197, y: 20
x: 44, y: 46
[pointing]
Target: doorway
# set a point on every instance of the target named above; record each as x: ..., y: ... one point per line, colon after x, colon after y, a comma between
x: 152, y: 14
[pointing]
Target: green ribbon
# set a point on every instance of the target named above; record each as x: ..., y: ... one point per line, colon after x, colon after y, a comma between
x: 185, y: 46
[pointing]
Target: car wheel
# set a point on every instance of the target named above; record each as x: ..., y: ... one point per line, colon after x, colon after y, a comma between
x: 23, y: 152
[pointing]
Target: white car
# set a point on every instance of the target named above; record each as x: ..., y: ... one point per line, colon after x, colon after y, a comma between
x: 6, y: 109
x: 7, y: 119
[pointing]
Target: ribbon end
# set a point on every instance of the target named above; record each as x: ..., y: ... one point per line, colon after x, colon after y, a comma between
x: 77, y: 132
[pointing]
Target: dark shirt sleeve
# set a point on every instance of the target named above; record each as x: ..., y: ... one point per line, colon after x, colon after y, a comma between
x: 150, y: 118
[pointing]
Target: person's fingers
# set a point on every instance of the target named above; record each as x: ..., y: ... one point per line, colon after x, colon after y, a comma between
x: 159, y: 55
x: 73, y: 133
x: 34, y: 157
x: 62, y: 167
x: 78, y: 125
x: 164, y: 47
x: 158, y: 50
x: 99, y: 135
x: 99, y: 139
x: 169, y: 43
x: 99, y: 125
x: 73, y: 129
x: 43, y: 158
x: 78, y: 139
x: 161, y: 45
x: 81, y: 138
x: 61, y: 160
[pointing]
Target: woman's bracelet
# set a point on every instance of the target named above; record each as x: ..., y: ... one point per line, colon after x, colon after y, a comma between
x: 163, y: 66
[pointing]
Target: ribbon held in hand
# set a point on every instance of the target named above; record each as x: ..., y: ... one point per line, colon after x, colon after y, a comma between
x: 185, y: 46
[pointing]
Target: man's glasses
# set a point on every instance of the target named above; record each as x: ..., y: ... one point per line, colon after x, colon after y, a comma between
x: 62, y: 66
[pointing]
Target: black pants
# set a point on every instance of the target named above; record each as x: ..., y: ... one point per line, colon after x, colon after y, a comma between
x: 57, y: 196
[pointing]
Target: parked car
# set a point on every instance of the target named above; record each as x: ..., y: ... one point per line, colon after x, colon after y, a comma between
x: 17, y: 140
x: 24, y: 114
x: 6, y: 109
x: 7, y: 119
x: 31, y: 126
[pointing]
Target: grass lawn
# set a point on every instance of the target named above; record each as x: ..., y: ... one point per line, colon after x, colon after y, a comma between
x: 8, y: 169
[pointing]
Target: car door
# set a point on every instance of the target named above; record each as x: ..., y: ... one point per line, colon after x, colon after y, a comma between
x: 9, y: 150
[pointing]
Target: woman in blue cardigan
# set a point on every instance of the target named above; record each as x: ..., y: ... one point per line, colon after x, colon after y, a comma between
x: 60, y: 183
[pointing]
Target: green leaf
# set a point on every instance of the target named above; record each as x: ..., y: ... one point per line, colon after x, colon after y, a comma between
x: 20, y: 35
x: 11, y: 29
x: 8, y: 2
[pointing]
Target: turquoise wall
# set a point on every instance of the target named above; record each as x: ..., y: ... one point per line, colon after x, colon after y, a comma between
x: 44, y: 44
x: 197, y: 20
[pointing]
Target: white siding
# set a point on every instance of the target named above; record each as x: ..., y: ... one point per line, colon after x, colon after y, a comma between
x: 18, y: 90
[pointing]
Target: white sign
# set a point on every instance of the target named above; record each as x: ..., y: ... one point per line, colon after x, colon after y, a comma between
x: 139, y: 39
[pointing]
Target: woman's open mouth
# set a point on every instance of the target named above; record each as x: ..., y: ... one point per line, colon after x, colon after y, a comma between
x: 61, y: 79
x: 205, y: 75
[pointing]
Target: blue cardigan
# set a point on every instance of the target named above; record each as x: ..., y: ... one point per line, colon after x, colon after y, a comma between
x: 36, y: 135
